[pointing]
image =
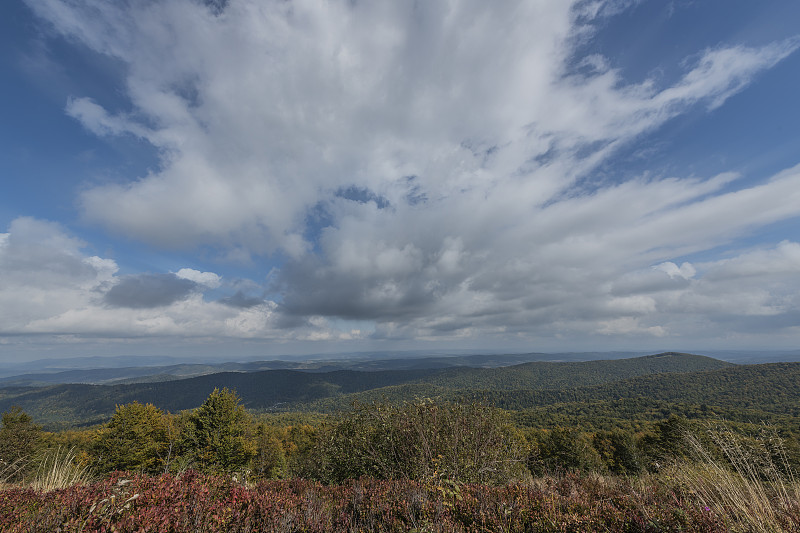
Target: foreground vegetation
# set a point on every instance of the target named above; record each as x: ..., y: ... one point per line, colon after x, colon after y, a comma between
x: 625, y: 464
x: 423, y: 466
x: 203, y: 503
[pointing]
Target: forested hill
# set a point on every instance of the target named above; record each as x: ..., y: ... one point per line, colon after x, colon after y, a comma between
x: 542, y: 375
x: 65, y: 405
x: 747, y: 393
x: 772, y: 387
x: 89, y: 404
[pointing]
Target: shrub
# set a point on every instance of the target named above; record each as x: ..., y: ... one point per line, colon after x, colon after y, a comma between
x: 667, y: 443
x: 618, y: 451
x: 420, y: 440
x: 200, y: 503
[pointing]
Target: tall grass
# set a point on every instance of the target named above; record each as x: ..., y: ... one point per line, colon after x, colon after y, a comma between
x: 11, y: 472
x: 60, y: 468
x: 749, y: 481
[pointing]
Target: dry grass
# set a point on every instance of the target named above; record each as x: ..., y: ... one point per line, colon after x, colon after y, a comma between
x: 10, y: 472
x: 753, y: 486
x: 58, y: 469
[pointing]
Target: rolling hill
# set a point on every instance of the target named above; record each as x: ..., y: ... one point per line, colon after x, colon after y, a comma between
x: 517, y: 387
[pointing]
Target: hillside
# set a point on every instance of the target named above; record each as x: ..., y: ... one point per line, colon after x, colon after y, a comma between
x: 64, y: 405
x: 515, y: 386
x: 772, y: 387
x: 543, y: 375
x: 751, y: 394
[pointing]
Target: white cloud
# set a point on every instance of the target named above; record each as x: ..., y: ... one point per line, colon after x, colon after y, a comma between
x: 208, y: 279
x: 685, y: 271
x: 783, y: 260
x: 264, y: 110
x: 50, y: 287
x: 44, y: 273
x: 95, y: 118
x: 468, y: 135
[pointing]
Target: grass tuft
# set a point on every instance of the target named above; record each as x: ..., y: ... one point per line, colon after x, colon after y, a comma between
x: 749, y: 482
x: 60, y: 468
x: 11, y: 472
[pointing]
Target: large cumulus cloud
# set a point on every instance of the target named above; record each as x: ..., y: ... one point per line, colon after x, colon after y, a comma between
x: 426, y: 166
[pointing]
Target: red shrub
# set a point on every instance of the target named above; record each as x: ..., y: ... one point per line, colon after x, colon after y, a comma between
x: 203, y: 503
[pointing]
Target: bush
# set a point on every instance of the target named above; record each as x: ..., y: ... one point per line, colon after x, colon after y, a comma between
x: 419, y: 441
x: 196, y: 503
x: 668, y: 442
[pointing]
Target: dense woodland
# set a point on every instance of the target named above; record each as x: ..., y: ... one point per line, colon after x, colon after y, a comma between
x: 435, y: 431
x: 514, y: 387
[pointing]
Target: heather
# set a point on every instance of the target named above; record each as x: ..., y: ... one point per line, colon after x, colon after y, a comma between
x: 194, y: 502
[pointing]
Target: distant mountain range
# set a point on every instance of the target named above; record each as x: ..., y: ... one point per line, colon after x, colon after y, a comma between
x: 325, y: 387
x: 141, y: 369
x: 108, y: 371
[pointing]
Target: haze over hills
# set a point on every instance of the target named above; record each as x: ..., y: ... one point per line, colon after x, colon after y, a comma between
x: 141, y: 369
x: 284, y: 389
x: 95, y: 370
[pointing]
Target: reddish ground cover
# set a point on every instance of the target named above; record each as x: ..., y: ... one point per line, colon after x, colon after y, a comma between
x: 201, y: 503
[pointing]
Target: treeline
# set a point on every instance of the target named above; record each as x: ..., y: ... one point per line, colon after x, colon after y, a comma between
x: 464, y: 442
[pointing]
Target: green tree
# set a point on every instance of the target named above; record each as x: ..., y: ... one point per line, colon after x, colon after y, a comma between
x: 668, y: 442
x: 270, y: 459
x: 618, y: 450
x: 19, y: 440
x: 562, y: 449
x: 299, y: 443
x: 137, y: 438
x: 217, y: 436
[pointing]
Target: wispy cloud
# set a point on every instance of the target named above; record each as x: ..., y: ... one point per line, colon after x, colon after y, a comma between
x: 426, y: 166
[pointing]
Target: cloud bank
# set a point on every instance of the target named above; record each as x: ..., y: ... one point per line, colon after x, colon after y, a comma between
x: 427, y: 167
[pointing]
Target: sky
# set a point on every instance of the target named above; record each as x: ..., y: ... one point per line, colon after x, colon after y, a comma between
x: 250, y: 178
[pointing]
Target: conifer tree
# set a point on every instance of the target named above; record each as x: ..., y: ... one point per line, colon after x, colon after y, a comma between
x: 19, y: 439
x: 218, y: 436
x: 137, y: 438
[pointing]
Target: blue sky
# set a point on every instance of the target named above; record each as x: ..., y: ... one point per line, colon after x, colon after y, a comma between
x: 260, y: 178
